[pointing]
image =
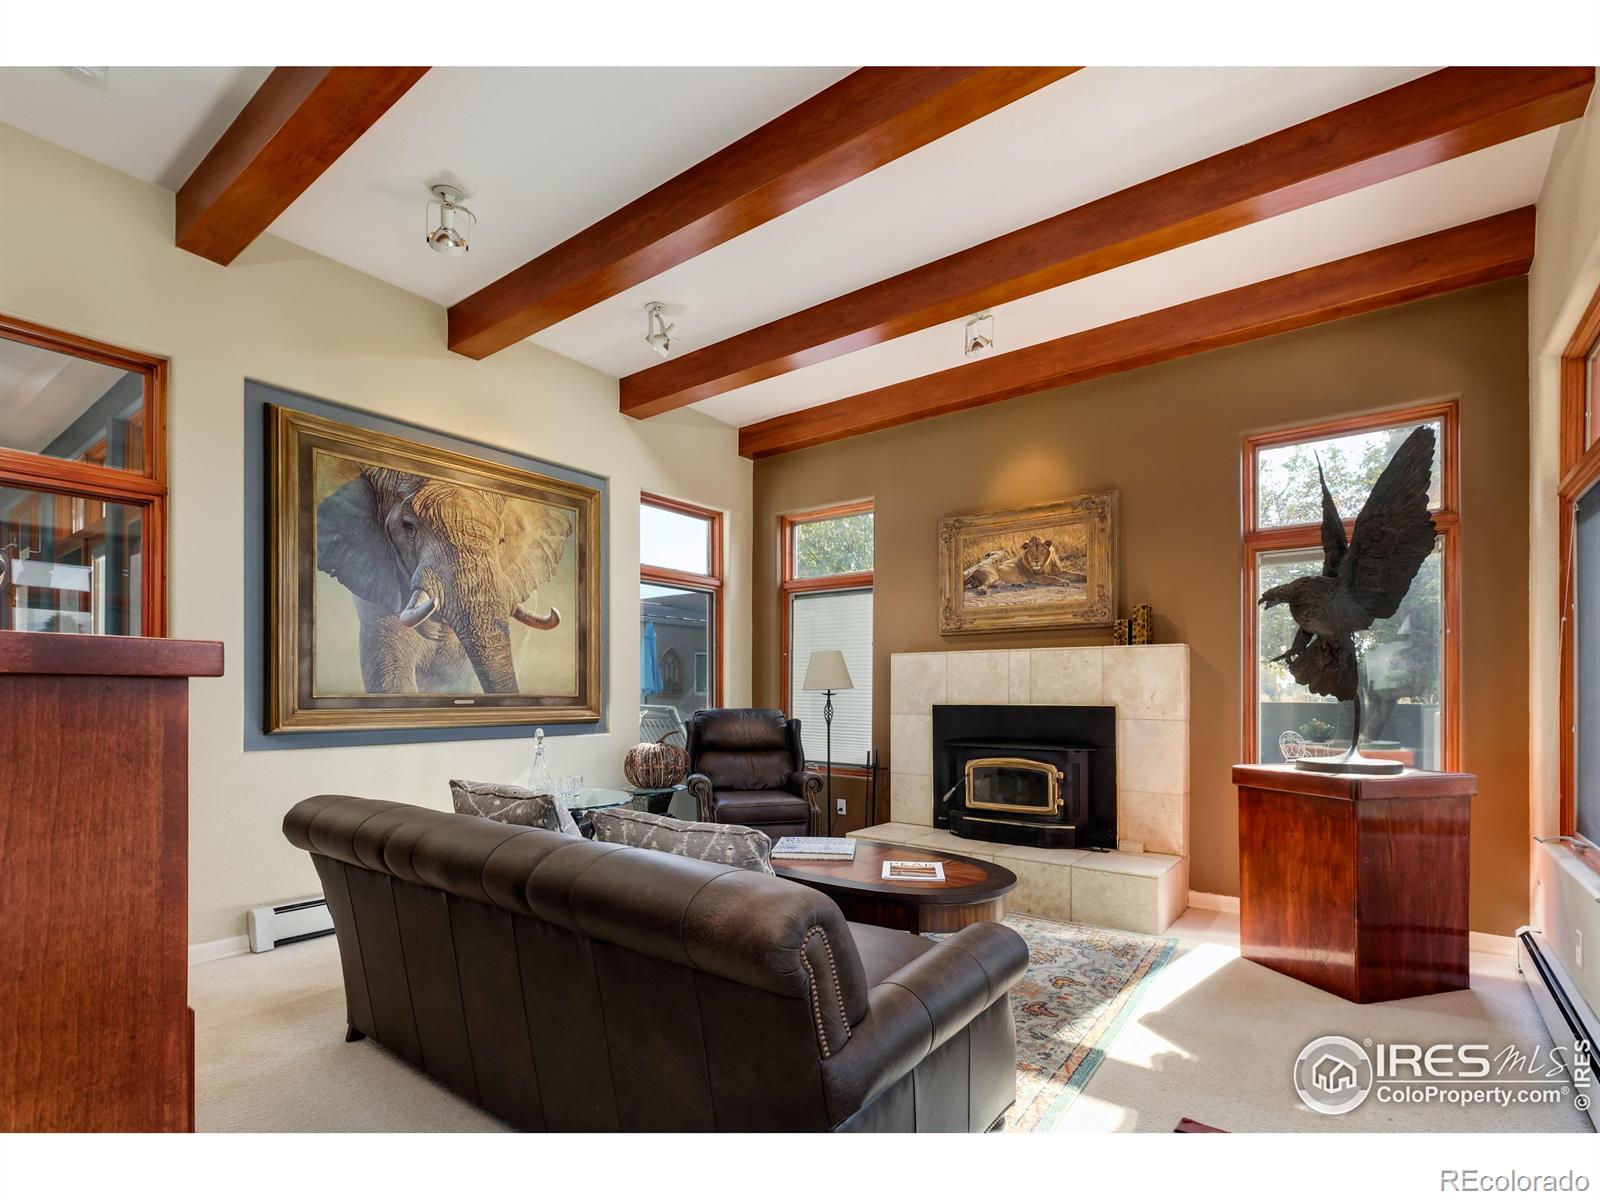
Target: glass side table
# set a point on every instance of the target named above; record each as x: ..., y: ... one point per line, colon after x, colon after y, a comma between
x: 653, y: 800
x: 590, y: 801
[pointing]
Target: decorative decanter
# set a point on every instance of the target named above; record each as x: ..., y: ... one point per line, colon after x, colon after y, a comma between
x: 540, y: 778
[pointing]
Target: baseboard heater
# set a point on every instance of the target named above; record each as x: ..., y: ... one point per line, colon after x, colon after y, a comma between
x: 273, y: 925
x: 1571, y: 1022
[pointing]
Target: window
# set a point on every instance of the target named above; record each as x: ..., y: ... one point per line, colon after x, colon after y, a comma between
x: 834, y: 546
x: 1411, y: 660
x: 680, y: 612
x: 1586, y: 647
x: 827, y: 605
x: 1580, y: 585
x: 82, y: 485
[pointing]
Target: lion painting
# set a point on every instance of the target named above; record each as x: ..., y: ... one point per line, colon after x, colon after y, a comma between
x: 1035, y: 563
x: 1044, y: 565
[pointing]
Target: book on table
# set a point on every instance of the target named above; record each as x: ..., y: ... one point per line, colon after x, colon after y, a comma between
x: 821, y: 849
x: 899, y: 870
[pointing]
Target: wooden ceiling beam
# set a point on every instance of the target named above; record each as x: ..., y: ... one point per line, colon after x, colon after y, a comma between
x: 1440, y: 116
x: 1495, y: 248
x: 871, y: 117
x: 294, y: 128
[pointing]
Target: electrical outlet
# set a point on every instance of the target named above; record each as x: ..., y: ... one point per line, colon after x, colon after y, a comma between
x: 840, y: 809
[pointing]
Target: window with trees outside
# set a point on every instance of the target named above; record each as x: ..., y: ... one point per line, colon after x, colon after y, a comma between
x: 1580, y: 587
x: 680, y: 613
x: 82, y: 485
x: 1410, y: 660
x: 827, y: 605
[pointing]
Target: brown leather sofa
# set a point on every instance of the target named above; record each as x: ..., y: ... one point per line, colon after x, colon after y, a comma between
x: 564, y: 984
x: 747, y: 767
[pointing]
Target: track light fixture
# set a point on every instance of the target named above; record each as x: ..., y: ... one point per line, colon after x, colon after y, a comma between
x: 444, y: 236
x: 978, y: 335
x: 657, y: 333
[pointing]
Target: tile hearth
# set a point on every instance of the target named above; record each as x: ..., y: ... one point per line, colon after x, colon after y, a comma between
x: 1143, y: 886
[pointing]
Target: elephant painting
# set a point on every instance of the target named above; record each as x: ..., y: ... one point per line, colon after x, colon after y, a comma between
x: 425, y: 582
x: 439, y: 571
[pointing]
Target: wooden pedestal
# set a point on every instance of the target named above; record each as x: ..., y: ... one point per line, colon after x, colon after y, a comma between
x: 1356, y: 884
x: 95, y: 1028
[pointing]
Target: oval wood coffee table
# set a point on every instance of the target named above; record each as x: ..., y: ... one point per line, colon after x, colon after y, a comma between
x: 972, y: 891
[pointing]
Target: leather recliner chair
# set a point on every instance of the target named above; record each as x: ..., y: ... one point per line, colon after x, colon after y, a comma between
x: 747, y: 767
x: 571, y: 985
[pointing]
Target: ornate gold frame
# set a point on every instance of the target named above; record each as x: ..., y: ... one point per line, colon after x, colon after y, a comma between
x: 1096, y: 510
x: 291, y: 704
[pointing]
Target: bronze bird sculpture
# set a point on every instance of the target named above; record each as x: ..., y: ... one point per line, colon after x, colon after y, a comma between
x: 1363, y: 579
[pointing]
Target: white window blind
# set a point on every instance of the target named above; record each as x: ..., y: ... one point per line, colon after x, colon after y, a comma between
x: 833, y: 621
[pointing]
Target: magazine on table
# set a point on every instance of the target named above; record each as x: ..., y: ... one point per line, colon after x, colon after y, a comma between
x: 827, y: 849
x: 898, y: 870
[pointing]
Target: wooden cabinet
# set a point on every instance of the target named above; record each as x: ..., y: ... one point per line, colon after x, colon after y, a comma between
x: 1356, y: 884
x: 95, y: 1029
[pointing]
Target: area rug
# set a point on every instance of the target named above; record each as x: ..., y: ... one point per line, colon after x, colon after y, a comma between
x: 1081, y: 986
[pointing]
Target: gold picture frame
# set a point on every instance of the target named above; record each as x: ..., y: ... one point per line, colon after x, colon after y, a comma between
x: 357, y: 644
x: 1043, y: 566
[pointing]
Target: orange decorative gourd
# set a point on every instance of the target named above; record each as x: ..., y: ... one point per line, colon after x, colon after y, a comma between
x: 656, y: 764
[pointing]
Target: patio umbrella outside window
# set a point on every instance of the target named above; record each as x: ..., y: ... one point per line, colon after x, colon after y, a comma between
x: 649, y: 668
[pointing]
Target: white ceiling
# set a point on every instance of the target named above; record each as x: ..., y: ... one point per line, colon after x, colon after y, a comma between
x: 545, y: 152
x: 154, y: 123
x: 541, y: 153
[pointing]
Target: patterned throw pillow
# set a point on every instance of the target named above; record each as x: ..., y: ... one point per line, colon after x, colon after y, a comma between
x: 513, y: 805
x: 733, y: 845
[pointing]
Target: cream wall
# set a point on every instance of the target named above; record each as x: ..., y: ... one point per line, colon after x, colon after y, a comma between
x: 1566, y: 273
x: 103, y: 265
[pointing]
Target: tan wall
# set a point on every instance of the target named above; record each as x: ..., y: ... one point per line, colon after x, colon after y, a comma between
x: 107, y: 268
x: 1169, y: 437
x: 1565, y: 276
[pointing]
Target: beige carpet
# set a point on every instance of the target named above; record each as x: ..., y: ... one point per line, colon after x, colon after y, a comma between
x: 1214, y: 1039
x: 270, y: 1055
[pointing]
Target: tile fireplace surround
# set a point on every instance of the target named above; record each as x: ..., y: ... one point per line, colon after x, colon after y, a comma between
x: 1143, y: 886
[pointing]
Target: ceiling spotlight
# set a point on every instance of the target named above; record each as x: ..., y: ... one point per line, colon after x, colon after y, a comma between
x: 657, y: 333
x: 978, y: 335
x: 444, y: 236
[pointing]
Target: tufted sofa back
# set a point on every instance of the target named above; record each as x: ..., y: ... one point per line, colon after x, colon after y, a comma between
x: 568, y: 985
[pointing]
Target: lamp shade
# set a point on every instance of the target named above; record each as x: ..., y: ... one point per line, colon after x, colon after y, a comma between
x: 826, y: 672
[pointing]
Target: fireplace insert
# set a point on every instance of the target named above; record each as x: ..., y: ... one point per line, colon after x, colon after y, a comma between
x: 1031, y: 775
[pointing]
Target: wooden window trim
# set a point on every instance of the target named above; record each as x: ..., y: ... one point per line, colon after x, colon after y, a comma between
x: 146, y: 490
x: 789, y: 587
x: 1446, y: 518
x: 1580, y: 471
x: 711, y: 583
